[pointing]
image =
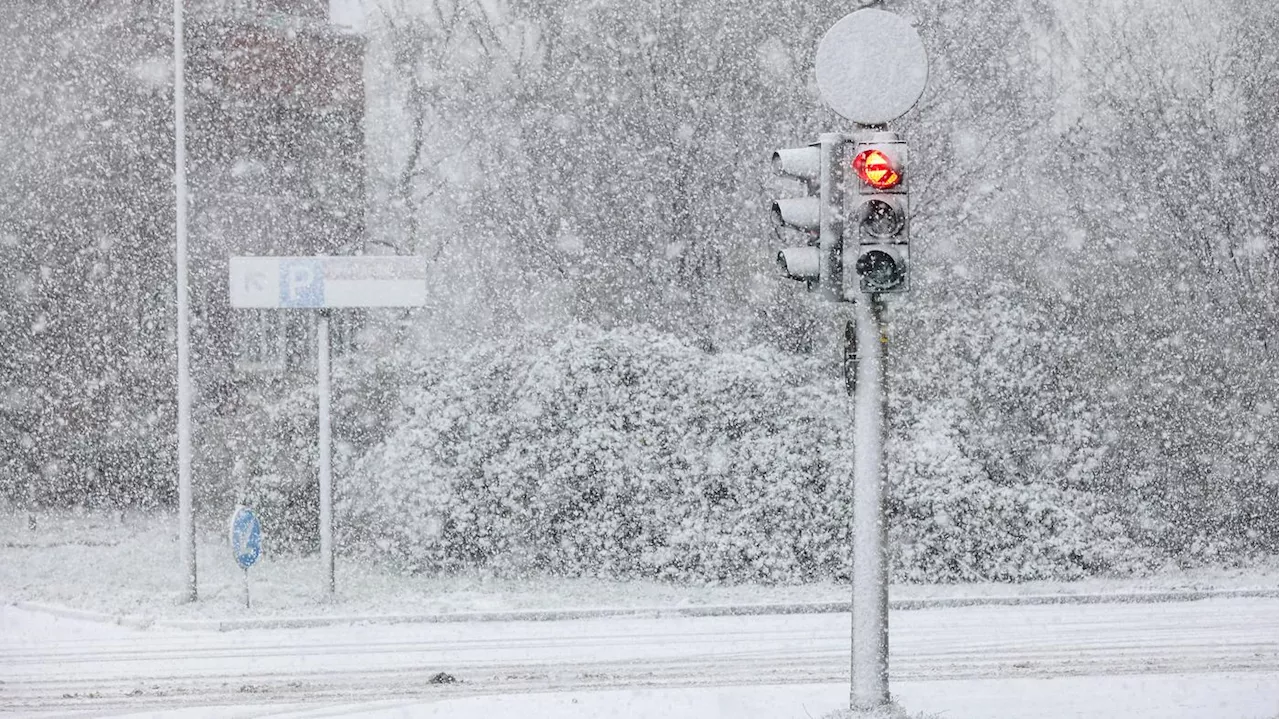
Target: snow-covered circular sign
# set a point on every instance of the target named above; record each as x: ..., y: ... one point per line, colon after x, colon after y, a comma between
x: 246, y: 537
x: 871, y: 66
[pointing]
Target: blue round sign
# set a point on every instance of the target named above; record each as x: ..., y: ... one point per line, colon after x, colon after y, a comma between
x: 246, y: 537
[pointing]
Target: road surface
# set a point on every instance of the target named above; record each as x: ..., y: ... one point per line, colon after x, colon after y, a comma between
x: 63, y: 665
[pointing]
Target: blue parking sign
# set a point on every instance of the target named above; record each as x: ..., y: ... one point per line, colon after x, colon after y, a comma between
x: 301, y: 283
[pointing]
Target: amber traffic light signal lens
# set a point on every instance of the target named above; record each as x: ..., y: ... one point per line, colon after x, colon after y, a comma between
x: 876, y: 169
x: 881, y: 219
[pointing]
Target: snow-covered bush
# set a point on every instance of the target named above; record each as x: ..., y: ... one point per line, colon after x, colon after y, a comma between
x: 951, y: 521
x: 268, y: 446
x: 623, y: 454
x: 631, y: 454
x: 997, y: 461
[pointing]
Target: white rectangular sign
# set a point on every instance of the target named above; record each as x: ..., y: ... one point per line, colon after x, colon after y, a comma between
x: 365, y: 281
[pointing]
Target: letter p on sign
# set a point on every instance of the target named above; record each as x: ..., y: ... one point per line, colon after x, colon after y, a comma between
x: 301, y: 283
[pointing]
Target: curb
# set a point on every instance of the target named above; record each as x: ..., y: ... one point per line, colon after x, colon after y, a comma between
x: 710, y: 610
x: 125, y: 620
x: 1145, y: 597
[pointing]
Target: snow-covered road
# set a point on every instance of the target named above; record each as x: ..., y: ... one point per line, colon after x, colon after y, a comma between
x: 61, y: 664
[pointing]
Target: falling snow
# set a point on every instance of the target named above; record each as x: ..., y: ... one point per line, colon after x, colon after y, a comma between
x: 609, y: 382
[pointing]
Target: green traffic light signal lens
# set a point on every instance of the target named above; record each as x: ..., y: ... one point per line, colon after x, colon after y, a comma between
x: 881, y: 219
x: 879, y: 270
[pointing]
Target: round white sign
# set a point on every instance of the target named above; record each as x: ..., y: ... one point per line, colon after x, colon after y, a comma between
x: 871, y: 66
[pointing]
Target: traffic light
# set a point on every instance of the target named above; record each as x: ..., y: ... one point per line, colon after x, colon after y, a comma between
x: 816, y: 215
x: 877, y: 212
x: 802, y: 213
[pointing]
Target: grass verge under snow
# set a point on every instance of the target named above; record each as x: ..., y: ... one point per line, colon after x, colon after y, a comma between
x: 128, y: 563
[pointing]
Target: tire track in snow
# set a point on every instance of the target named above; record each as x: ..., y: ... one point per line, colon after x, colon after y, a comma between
x: 148, y: 670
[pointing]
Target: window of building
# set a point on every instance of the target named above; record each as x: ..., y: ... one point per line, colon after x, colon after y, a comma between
x: 260, y: 340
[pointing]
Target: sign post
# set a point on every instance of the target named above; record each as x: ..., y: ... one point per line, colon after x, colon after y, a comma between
x: 871, y: 68
x: 326, y: 440
x: 324, y: 284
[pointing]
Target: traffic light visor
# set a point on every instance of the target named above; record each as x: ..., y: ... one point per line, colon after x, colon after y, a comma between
x: 876, y: 168
x: 800, y: 263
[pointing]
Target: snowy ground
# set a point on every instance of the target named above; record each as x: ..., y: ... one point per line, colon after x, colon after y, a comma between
x: 1211, y: 658
x: 1222, y: 696
x: 127, y: 565
x: 1214, y: 658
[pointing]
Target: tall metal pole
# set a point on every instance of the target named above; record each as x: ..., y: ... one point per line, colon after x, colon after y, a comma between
x: 869, y: 687
x: 186, y: 520
x: 326, y: 467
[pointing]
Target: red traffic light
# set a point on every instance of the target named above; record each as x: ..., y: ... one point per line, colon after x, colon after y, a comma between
x: 876, y: 169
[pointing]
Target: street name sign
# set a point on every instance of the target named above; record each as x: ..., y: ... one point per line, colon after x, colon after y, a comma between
x: 323, y: 282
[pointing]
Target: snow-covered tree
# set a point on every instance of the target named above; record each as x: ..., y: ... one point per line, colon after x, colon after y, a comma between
x: 85, y: 202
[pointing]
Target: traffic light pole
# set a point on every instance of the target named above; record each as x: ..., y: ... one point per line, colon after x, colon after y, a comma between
x: 860, y: 216
x: 869, y: 659
x: 872, y: 84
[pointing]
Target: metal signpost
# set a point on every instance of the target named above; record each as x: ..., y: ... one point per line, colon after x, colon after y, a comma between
x: 871, y: 68
x: 246, y: 542
x: 186, y: 519
x: 324, y: 284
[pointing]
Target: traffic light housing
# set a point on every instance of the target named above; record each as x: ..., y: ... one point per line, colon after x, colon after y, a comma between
x: 877, y: 216
x: 817, y: 215
x: 801, y: 213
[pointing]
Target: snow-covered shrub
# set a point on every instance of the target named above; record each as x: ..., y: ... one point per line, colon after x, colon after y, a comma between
x: 624, y: 454
x: 997, y: 458
x: 270, y: 444
x: 632, y: 454
x: 950, y: 521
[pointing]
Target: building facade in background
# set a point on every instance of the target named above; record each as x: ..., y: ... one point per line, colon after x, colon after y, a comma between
x: 276, y: 147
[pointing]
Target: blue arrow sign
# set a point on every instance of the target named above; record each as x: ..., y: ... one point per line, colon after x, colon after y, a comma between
x: 246, y: 537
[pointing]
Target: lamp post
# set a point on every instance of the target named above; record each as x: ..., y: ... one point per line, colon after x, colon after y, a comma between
x: 186, y: 521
